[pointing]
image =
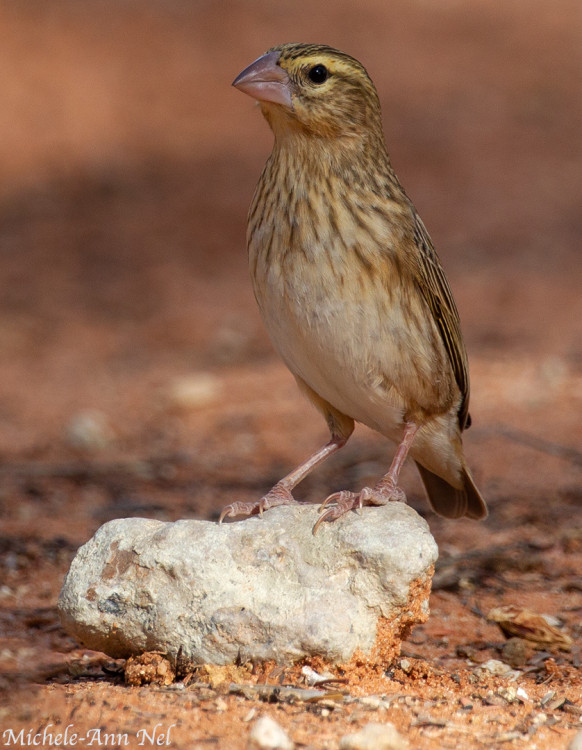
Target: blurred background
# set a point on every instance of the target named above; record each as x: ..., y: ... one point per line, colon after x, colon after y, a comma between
x: 135, y: 376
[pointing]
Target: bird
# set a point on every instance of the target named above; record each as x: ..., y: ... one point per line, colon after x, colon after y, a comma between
x: 350, y: 288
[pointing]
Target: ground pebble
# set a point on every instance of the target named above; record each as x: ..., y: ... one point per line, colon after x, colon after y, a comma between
x: 375, y: 737
x: 495, y: 667
x: 266, y: 734
x: 193, y: 391
x: 89, y: 431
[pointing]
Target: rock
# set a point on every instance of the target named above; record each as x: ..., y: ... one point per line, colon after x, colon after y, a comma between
x: 374, y: 737
x: 517, y: 652
x: 253, y: 590
x: 495, y: 667
x: 150, y: 668
x: 193, y: 391
x: 89, y: 431
x: 266, y: 734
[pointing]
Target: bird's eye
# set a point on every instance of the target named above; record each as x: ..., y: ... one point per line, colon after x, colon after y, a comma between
x: 318, y: 74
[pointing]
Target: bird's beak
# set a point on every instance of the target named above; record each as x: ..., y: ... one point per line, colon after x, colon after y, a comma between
x: 266, y: 81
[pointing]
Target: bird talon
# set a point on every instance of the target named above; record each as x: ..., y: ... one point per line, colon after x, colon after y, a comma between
x: 325, y: 503
x: 278, y: 495
x: 322, y: 519
x: 235, y: 509
x: 226, y: 511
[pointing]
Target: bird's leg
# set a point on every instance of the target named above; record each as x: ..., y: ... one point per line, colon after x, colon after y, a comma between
x: 385, y: 491
x: 388, y: 485
x: 280, y: 494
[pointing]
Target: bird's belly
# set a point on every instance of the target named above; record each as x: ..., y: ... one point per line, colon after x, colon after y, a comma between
x: 335, y: 346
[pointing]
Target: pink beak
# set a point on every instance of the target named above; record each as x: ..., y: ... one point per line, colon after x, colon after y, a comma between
x: 266, y: 81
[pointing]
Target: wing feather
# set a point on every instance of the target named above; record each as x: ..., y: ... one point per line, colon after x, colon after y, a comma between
x: 435, y: 289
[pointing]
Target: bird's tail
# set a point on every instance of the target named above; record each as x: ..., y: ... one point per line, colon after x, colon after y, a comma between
x: 450, y: 502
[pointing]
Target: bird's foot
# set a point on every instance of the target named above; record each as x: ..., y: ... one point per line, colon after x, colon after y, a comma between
x: 278, y: 495
x: 336, y: 505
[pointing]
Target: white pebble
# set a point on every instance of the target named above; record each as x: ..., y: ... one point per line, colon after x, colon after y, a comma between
x: 314, y: 678
x: 89, y: 430
x: 375, y: 737
x: 193, y: 391
x: 496, y: 667
x: 508, y: 693
x: 266, y: 734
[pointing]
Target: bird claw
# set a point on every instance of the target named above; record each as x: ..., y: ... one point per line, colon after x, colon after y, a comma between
x: 344, y: 501
x: 383, y: 493
x: 236, y: 509
x: 276, y: 496
x: 339, y: 503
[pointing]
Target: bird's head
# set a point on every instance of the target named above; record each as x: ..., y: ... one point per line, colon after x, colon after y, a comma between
x: 313, y: 89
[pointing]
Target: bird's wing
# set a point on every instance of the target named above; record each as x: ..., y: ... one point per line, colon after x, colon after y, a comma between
x: 435, y: 289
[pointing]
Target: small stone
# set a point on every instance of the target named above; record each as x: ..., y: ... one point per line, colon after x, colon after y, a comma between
x: 547, y: 698
x: 314, y: 678
x: 495, y: 667
x: 493, y: 699
x: 406, y: 666
x: 266, y: 734
x: 373, y: 702
x: 556, y: 703
x: 193, y: 391
x: 150, y: 668
x: 253, y: 590
x: 89, y: 431
x: 572, y: 708
x: 465, y: 652
x: 374, y: 737
x: 508, y: 694
x: 517, y: 652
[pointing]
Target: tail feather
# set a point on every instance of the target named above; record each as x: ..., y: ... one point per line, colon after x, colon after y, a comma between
x: 450, y: 502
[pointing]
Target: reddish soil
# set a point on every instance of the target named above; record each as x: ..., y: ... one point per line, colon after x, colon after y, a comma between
x: 127, y: 167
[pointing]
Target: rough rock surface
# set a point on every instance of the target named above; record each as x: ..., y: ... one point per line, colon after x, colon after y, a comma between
x: 257, y: 589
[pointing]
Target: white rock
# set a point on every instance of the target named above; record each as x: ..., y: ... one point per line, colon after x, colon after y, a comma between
x: 89, y: 431
x: 266, y: 734
x: 375, y: 737
x: 257, y: 589
x: 193, y: 391
x: 495, y: 667
x: 314, y: 678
